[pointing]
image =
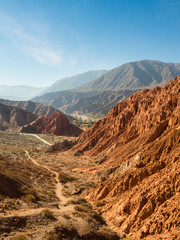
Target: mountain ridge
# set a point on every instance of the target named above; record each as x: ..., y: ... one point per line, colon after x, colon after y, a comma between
x: 74, y: 81
x: 135, y: 75
x: 108, y: 89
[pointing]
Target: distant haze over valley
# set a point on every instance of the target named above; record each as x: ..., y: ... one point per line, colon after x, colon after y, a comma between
x: 19, y: 92
x: 22, y: 93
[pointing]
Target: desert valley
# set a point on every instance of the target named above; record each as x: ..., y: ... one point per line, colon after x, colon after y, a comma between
x: 63, y: 177
x: 89, y: 120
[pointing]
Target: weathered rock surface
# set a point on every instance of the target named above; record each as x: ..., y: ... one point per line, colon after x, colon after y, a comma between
x: 140, y: 176
x: 57, y: 124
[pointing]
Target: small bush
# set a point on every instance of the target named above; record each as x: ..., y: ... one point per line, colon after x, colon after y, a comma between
x: 29, y: 198
x: 48, y: 214
x: 100, y: 203
x: 78, y: 200
x: 82, y: 209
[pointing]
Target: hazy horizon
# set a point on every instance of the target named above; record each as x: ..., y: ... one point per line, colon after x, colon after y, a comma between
x: 42, y: 41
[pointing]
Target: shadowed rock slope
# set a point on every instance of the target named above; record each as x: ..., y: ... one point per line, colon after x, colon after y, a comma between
x: 57, y: 124
x: 135, y: 75
x: 34, y: 107
x: 11, y: 118
x: 137, y: 152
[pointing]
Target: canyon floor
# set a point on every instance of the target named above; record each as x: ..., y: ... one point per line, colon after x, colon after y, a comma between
x: 42, y: 194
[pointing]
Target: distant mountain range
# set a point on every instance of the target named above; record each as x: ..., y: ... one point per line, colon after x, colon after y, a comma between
x: 135, y: 75
x: 95, y: 92
x: 81, y: 103
x: 19, y: 92
x: 74, y: 81
x: 101, y: 94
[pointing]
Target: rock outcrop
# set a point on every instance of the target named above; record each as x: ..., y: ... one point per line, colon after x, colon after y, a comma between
x: 57, y: 124
x: 139, y: 182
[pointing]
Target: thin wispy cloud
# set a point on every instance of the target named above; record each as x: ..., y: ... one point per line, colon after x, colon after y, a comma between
x: 35, y: 45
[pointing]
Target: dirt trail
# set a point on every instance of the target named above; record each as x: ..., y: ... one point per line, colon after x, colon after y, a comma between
x: 38, y: 137
x: 59, y: 187
x: 62, y: 199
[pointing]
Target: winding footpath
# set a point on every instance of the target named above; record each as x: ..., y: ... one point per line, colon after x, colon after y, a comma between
x: 59, y: 187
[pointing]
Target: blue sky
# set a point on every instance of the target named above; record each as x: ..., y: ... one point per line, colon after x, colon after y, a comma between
x: 42, y: 41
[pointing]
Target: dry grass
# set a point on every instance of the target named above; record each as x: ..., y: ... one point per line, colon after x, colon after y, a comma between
x: 20, y: 236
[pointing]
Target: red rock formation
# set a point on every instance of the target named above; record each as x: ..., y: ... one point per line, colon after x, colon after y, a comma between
x: 145, y: 114
x: 57, y: 124
x: 138, y: 170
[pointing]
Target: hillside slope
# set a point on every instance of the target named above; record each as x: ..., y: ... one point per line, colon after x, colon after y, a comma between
x: 11, y: 118
x: 74, y: 81
x: 34, y: 107
x: 135, y: 75
x: 137, y: 155
x: 98, y: 104
x: 92, y: 103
